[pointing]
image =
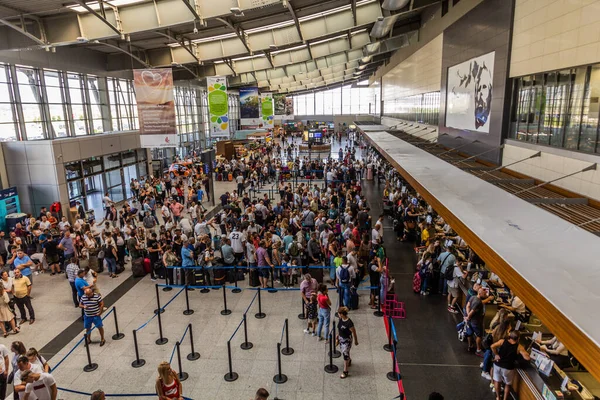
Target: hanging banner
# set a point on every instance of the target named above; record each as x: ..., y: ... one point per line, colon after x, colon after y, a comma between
x: 218, y: 106
x: 156, y: 107
x: 266, y: 105
x: 279, y: 106
x: 249, y: 107
x: 289, y: 107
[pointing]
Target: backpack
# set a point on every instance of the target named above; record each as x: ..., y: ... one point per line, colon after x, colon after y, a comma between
x: 344, y: 275
x: 293, y: 250
x: 449, y: 274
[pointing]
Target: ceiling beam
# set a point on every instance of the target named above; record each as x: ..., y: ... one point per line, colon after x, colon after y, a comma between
x: 100, y: 17
x: 23, y: 32
x: 229, y: 63
x: 353, y: 8
x: 296, y: 21
x: 192, y: 9
x: 181, y: 41
x: 238, y: 31
x: 269, y: 58
x: 118, y: 48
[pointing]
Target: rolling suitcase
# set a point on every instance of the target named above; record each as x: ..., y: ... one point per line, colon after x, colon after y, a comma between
x: 160, y: 270
x: 230, y: 177
x: 137, y: 268
x: 253, y: 277
x: 178, y: 276
x: 353, y: 299
x: 147, y: 265
x: 417, y: 282
x: 316, y: 273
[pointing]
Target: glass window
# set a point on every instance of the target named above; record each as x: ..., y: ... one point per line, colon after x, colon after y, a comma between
x: 113, y: 178
x: 336, y: 105
x: 310, y: 104
x: 7, y: 117
x: 142, y: 170
x: 589, y: 129
x: 112, y: 161
x: 141, y: 154
x: 31, y: 99
x: 319, y: 107
x: 75, y: 189
x: 346, y: 100
x: 92, y: 166
x: 73, y: 170
x: 129, y: 157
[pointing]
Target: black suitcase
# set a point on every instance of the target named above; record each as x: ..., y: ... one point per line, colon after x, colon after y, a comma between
x: 353, y: 299
x: 253, y: 277
x: 316, y: 273
x: 160, y: 270
x: 137, y: 268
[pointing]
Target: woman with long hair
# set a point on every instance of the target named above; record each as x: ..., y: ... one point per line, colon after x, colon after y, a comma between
x: 346, y: 333
x: 6, y: 315
x: 168, y: 386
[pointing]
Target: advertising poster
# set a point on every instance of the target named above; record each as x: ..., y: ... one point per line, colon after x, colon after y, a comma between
x: 156, y: 107
x: 289, y: 107
x: 249, y: 107
x: 279, y: 105
x: 469, y: 94
x: 266, y: 103
x: 218, y: 106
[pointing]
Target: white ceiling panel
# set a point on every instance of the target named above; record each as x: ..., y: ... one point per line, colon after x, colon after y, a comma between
x: 286, y: 35
x: 360, y: 39
x: 212, y: 8
x: 368, y: 13
x: 222, y: 69
x: 233, y: 47
x: 300, y: 55
x: 209, y: 50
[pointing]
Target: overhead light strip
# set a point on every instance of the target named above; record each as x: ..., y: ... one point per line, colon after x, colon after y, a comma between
x: 96, y: 5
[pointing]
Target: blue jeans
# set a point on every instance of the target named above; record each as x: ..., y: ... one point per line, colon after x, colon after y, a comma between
x: 111, y: 265
x: 425, y: 283
x: 488, y: 360
x: 332, y: 269
x: 324, y: 314
x: 443, y: 285
x: 345, y: 294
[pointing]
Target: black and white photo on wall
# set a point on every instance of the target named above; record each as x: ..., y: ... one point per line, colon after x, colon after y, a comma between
x: 469, y: 94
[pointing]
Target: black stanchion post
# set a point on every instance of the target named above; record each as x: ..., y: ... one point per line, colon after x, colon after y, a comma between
x: 181, y: 375
x: 230, y: 376
x: 303, y: 314
x: 162, y: 310
x: 138, y: 362
x: 388, y: 346
x: 235, y: 274
x: 167, y: 288
x: 187, y: 310
x: 204, y: 290
x: 331, y: 368
x: 194, y: 355
x: 287, y: 350
x: 246, y: 345
x: 225, y: 310
x: 378, y: 313
x: 161, y: 340
x: 393, y: 375
x: 279, y: 378
x: 272, y: 288
x: 335, y: 353
x: 90, y: 365
x: 259, y: 314
x: 118, y: 335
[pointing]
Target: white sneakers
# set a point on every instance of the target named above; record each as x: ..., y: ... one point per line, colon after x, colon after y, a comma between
x: 306, y: 331
x: 486, y: 375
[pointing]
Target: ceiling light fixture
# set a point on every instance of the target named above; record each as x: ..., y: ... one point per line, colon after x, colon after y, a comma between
x: 96, y: 5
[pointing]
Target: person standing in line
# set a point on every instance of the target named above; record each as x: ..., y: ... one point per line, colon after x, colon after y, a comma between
x: 346, y: 332
x: 22, y: 290
x: 22, y: 262
x: 168, y: 386
x: 263, y: 262
x: 21, y: 365
x: 107, y: 204
x: 98, y: 395
x: 506, y: 352
x: 4, y: 366
x: 324, y: 311
x: 344, y: 276
x: 262, y: 394
x: 39, y: 386
x: 6, y: 315
x: 92, y: 305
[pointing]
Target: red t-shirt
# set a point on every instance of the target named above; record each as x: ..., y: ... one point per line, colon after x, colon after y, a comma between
x: 322, y: 300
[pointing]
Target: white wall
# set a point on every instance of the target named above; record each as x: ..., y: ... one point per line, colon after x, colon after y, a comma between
x: 419, y: 73
x: 554, y: 34
x: 553, y: 164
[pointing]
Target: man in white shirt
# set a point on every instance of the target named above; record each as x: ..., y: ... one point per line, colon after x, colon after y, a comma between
x: 4, y: 363
x: 40, y: 386
x: 23, y: 364
x: 375, y: 237
x: 237, y: 243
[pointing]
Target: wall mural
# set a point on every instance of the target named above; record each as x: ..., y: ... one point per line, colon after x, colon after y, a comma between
x: 469, y: 94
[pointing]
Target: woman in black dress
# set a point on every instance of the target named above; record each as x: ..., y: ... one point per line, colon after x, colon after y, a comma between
x: 346, y: 332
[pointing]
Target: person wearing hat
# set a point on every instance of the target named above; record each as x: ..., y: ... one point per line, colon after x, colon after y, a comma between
x: 41, y: 386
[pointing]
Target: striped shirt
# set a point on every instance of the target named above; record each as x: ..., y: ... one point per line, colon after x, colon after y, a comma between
x: 72, y: 272
x: 92, y: 304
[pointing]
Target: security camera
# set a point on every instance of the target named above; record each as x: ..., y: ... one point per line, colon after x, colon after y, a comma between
x: 380, y: 19
x: 195, y: 30
x: 82, y: 39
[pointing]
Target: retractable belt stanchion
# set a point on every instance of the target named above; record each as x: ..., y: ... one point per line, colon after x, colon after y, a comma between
x: 181, y: 375
x: 230, y: 376
x: 235, y: 275
x: 287, y: 350
x: 138, y: 362
x: 194, y: 355
x: 187, y: 310
x: 279, y: 378
x: 118, y: 335
x: 90, y: 365
x: 378, y: 313
x: 246, y: 345
x: 331, y: 368
x: 225, y: 310
x: 334, y: 352
x: 303, y: 314
x: 272, y: 288
x: 158, y: 309
x: 393, y: 375
x: 161, y: 340
x: 259, y: 314
x: 204, y: 290
x: 389, y: 346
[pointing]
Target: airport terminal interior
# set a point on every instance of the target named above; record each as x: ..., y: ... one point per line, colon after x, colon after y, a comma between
x: 300, y: 199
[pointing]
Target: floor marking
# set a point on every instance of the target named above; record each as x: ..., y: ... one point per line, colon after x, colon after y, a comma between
x: 439, y: 365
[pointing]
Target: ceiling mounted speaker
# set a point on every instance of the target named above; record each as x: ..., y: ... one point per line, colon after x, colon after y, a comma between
x: 393, y: 5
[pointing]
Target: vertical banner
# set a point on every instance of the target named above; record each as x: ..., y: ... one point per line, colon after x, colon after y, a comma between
x: 156, y: 107
x: 218, y: 106
x: 249, y: 107
x: 289, y: 107
x: 279, y: 106
x: 266, y: 105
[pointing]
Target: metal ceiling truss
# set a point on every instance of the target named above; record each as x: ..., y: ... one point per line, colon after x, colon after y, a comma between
x: 238, y: 31
x: 23, y: 31
x: 194, y: 9
x: 189, y: 46
x: 102, y: 16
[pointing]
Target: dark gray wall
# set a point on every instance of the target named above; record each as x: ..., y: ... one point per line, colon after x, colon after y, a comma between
x: 486, y: 28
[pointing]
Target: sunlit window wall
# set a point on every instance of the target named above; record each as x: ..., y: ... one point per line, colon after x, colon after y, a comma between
x: 422, y: 108
x: 346, y: 100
